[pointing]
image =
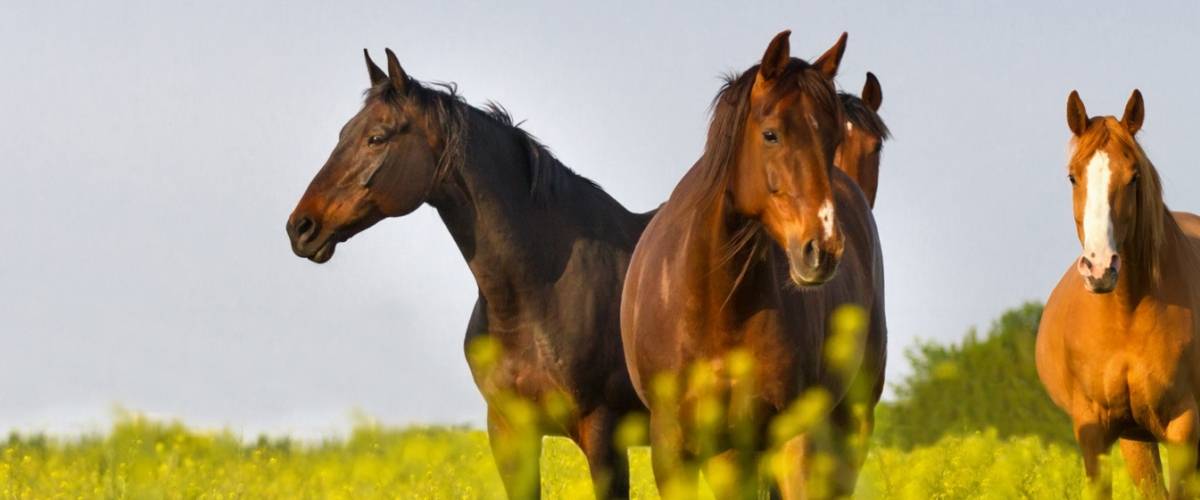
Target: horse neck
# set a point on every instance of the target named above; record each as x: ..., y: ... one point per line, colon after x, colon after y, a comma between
x: 515, y: 241
x: 485, y: 202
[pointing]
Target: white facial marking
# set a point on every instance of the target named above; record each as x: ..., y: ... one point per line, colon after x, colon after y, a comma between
x: 812, y: 121
x: 849, y: 127
x: 826, y: 215
x: 1097, y: 215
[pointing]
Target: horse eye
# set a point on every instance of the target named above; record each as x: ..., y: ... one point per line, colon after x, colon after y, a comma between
x: 1134, y: 179
x: 770, y: 136
x: 376, y: 140
x: 1071, y: 178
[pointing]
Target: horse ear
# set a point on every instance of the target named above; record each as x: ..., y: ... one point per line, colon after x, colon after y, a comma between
x: 396, y: 73
x: 377, y: 75
x: 829, y: 61
x: 776, y: 58
x: 1135, y: 111
x: 1077, y: 117
x: 872, y: 94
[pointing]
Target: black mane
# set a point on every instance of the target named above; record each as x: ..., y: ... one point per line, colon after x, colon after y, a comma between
x: 548, y: 176
x: 862, y: 116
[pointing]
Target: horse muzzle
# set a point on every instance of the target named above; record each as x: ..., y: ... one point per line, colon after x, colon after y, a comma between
x: 308, y: 241
x: 1099, y: 278
x: 812, y: 262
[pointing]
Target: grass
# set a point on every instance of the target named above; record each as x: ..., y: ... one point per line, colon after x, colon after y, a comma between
x: 143, y: 459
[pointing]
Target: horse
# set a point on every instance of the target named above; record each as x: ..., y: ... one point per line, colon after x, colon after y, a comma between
x: 757, y: 246
x: 862, y: 144
x: 548, y: 249
x: 1116, y: 346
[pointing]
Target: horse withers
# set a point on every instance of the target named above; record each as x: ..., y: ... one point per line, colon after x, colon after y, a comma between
x: 548, y: 249
x: 730, y: 292
x: 1116, y: 347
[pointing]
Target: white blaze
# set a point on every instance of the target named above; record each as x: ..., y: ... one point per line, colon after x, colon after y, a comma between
x: 1097, y: 215
x: 826, y: 215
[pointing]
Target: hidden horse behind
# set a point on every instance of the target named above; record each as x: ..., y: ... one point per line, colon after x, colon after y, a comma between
x: 547, y: 247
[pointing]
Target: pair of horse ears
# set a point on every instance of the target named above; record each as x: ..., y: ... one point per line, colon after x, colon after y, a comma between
x: 778, y: 54
x: 1077, y: 117
x: 394, y: 73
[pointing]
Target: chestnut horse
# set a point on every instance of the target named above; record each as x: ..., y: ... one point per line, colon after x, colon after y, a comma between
x: 1116, y: 347
x: 548, y: 249
x: 742, y: 259
x: 862, y: 144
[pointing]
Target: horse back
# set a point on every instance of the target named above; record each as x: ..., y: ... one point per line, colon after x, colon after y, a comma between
x: 1189, y: 223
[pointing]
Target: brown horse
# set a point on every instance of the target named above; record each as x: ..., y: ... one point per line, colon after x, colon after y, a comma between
x: 548, y: 249
x: 1116, y: 347
x: 742, y: 259
x: 862, y: 144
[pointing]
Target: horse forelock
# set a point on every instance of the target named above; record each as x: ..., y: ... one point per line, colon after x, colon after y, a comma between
x: 447, y: 109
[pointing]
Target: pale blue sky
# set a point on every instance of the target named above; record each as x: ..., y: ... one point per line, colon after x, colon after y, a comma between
x: 152, y: 152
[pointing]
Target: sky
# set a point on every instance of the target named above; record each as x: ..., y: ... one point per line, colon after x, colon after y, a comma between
x: 152, y: 151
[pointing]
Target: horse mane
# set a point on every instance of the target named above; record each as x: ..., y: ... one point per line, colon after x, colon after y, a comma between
x: 1149, y: 227
x: 729, y: 111
x: 862, y: 116
x: 547, y: 175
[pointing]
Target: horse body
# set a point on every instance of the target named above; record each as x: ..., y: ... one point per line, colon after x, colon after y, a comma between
x: 1124, y: 364
x: 737, y: 264
x: 549, y: 275
x: 547, y: 247
x: 1117, y: 351
x: 779, y: 324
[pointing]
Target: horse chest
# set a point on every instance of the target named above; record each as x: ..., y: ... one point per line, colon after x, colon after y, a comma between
x: 783, y: 362
x: 1126, y: 379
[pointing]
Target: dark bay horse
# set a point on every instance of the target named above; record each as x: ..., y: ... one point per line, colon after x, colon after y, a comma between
x: 757, y: 246
x: 862, y: 144
x: 1117, y: 346
x: 548, y: 249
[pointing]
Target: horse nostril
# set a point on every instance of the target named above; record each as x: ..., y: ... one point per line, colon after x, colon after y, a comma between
x: 812, y: 253
x: 305, y: 228
x: 1085, y: 264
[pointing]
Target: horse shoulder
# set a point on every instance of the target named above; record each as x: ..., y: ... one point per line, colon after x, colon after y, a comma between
x: 646, y: 291
x: 1056, y: 324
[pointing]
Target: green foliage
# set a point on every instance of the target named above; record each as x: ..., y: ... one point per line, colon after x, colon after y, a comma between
x: 978, y: 384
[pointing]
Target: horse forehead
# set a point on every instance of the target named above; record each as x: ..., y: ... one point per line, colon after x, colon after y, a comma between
x: 858, y: 136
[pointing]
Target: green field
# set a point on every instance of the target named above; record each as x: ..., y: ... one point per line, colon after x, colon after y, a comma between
x: 143, y: 459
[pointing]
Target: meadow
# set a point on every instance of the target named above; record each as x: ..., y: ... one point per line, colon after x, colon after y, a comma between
x: 144, y: 459
x: 971, y: 421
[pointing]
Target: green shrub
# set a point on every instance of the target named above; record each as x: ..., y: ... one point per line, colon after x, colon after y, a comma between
x: 988, y: 383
